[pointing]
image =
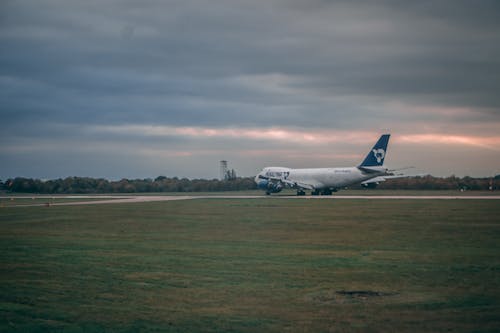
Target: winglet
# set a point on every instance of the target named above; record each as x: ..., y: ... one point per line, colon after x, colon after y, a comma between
x: 377, y: 154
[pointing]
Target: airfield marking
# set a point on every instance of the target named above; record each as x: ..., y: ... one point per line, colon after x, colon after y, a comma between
x: 114, y: 199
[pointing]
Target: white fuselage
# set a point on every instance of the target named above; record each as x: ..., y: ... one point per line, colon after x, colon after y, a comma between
x: 327, y: 180
x: 329, y: 177
x: 320, y: 178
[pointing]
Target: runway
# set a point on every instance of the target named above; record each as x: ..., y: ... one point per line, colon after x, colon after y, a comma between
x: 120, y: 199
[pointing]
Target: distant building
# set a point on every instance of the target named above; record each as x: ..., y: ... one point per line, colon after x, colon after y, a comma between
x: 225, y: 173
x: 230, y: 174
x: 223, y: 170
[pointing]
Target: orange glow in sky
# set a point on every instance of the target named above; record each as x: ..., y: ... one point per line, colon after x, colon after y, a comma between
x: 317, y: 137
x: 491, y: 142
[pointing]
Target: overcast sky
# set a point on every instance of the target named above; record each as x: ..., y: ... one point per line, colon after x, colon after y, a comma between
x: 139, y: 89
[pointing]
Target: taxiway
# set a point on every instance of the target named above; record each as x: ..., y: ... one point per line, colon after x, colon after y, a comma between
x: 120, y: 199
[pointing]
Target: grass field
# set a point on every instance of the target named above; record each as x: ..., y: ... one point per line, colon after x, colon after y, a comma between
x: 254, y: 265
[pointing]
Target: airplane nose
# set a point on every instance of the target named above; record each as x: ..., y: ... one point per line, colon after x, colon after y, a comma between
x: 259, y: 177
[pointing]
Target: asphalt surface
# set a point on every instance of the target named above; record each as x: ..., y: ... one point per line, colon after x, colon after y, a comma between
x: 115, y: 199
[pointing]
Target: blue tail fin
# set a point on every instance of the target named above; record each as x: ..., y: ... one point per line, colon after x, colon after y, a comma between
x: 376, y: 156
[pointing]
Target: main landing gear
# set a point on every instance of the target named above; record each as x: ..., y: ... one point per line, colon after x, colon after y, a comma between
x: 317, y: 192
x: 323, y: 192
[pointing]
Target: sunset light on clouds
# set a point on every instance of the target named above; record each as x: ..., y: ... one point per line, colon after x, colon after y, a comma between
x: 262, y: 134
x: 140, y: 90
x: 492, y: 143
x: 312, y: 137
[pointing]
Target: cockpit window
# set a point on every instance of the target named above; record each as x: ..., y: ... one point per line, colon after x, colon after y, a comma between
x: 273, y: 174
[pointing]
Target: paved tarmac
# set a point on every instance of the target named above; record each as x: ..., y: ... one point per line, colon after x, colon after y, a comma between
x: 119, y: 199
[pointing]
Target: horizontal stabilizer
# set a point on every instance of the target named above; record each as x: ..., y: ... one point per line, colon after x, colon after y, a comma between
x: 380, y: 179
x: 373, y: 169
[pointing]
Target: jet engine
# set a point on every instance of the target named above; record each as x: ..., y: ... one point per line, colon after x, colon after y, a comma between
x: 270, y: 186
x: 369, y: 185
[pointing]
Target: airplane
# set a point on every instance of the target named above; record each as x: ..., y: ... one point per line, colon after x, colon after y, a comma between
x: 324, y: 181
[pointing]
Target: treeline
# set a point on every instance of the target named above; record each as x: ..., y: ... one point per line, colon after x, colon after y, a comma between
x: 85, y: 185
x: 435, y: 183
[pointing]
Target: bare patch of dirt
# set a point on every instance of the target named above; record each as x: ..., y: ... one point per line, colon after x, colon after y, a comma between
x: 348, y: 296
x: 364, y: 293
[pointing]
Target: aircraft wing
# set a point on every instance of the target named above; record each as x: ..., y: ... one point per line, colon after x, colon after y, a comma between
x: 291, y: 183
x: 294, y: 184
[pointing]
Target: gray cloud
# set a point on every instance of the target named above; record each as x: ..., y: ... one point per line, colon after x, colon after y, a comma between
x: 338, y: 65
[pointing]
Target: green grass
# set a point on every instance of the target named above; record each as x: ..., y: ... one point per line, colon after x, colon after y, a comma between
x: 252, y: 265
